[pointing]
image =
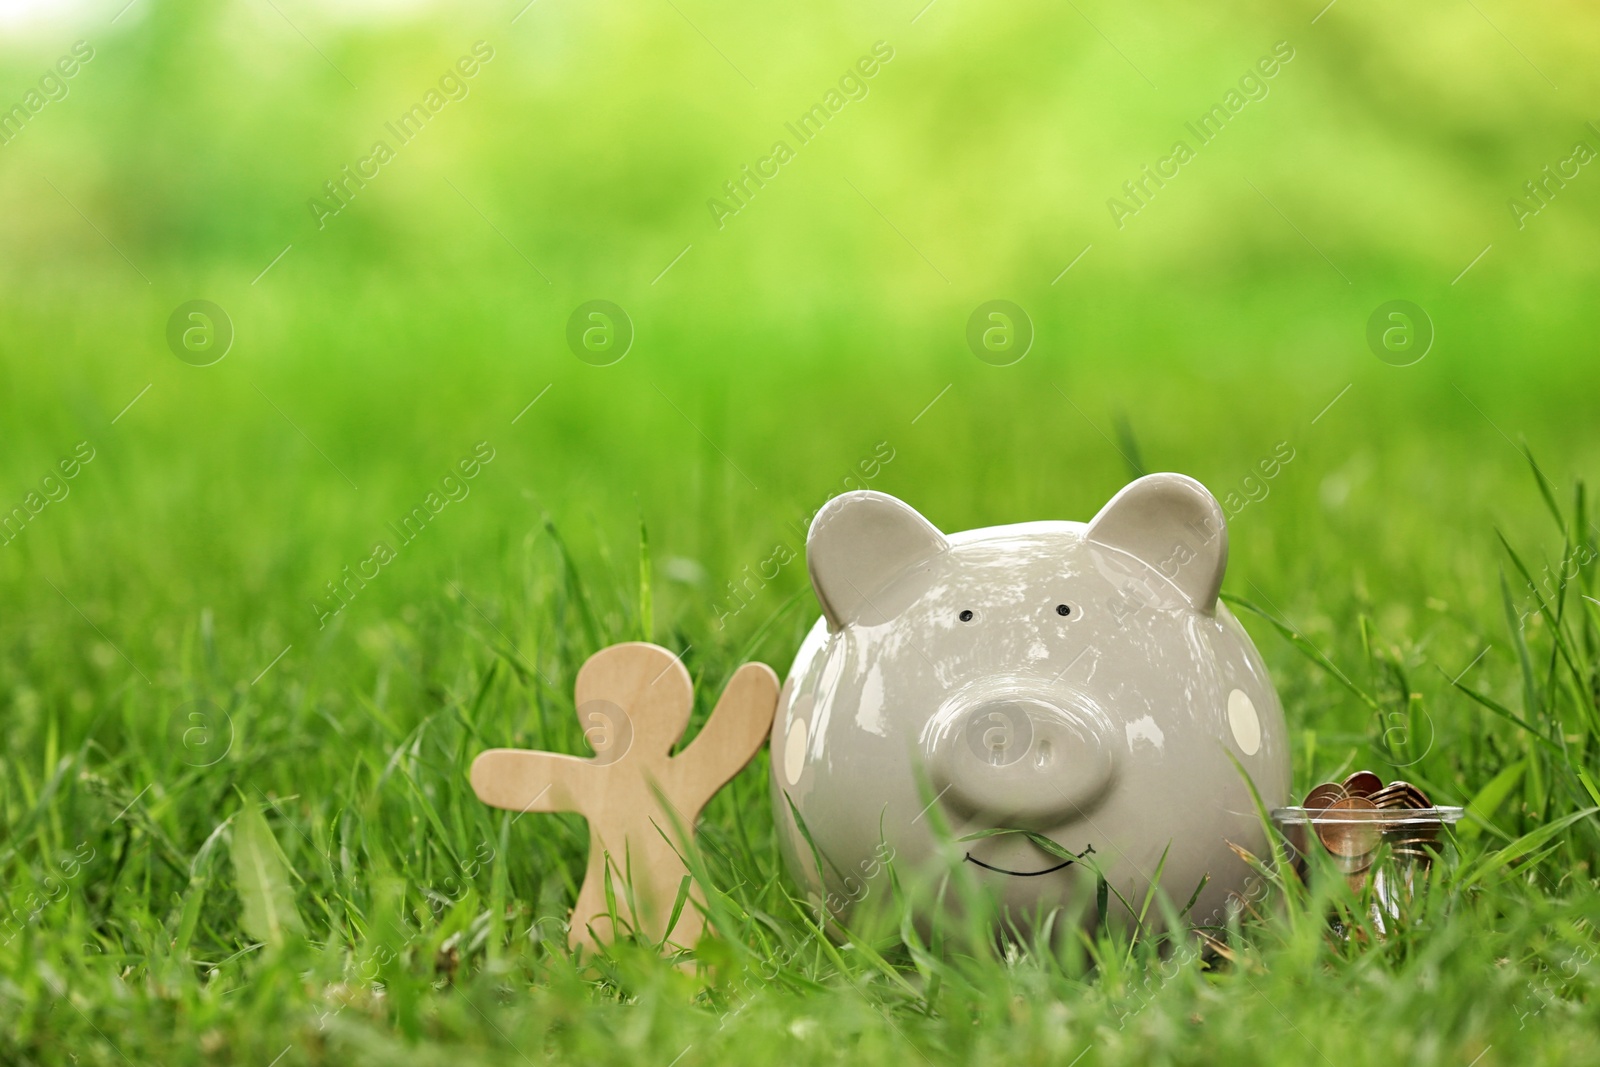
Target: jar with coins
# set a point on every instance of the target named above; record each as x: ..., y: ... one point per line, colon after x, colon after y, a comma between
x: 1384, y: 839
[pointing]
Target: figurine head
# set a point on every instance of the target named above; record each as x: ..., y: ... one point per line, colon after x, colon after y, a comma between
x: 633, y: 696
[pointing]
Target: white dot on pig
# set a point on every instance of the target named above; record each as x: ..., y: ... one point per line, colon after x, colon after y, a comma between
x: 794, y: 751
x: 1246, y: 726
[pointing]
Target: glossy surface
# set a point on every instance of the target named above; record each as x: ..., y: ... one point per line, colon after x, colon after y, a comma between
x: 1076, y: 680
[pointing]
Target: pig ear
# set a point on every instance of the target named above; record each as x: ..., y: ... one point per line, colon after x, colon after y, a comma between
x: 1172, y: 523
x: 860, y: 545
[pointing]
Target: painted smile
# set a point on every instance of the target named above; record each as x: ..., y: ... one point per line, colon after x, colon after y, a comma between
x: 1029, y: 874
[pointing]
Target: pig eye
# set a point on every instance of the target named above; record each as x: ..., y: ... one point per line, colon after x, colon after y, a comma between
x: 1063, y: 609
x: 965, y: 616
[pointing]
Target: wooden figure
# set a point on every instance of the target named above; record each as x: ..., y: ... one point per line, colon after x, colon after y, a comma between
x: 634, y: 701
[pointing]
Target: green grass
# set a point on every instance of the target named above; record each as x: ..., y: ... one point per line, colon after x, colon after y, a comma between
x: 320, y: 796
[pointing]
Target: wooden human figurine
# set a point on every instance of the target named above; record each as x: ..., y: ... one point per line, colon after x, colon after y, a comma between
x: 634, y: 702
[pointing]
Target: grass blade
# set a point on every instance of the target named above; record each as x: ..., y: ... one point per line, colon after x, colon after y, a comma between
x: 261, y: 877
x: 1546, y: 489
x: 1490, y: 797
x: 1306, y: 648
x: 1504, y: 712
x: 1588, y: 785
x: 1522, y: 846
x: 647, y: 611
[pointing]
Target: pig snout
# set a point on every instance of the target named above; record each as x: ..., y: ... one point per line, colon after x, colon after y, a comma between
x: 1022, y: 760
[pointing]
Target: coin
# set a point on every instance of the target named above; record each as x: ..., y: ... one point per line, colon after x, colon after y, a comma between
x: 1421, y: 857
x: 1416, y: 798
x: 1346, y: 833
x: 1388, y: 797
x: 1417, y: 846
x: 1362, y: 784
x: 1323, y: 795
x: 1401, y: 795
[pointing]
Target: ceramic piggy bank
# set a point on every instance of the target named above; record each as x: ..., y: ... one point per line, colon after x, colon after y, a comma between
x: 1080, y: 681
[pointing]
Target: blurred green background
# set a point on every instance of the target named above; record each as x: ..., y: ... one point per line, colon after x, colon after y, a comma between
x: 821, y: 319
x: 778, y: 357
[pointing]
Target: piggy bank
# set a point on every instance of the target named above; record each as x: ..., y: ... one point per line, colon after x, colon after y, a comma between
x: 1077, y: 681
